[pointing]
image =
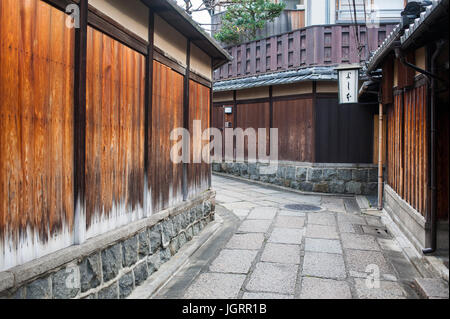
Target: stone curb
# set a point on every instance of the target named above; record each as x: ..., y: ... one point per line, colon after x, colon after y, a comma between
x: 169, y: 269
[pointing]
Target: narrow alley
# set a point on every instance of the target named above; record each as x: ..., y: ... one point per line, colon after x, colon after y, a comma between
x: 285, y: 245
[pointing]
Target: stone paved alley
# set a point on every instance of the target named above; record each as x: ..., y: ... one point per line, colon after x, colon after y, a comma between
x: 271, y: 250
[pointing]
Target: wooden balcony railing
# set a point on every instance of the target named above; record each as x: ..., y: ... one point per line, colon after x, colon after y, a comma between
x: 311, y: 46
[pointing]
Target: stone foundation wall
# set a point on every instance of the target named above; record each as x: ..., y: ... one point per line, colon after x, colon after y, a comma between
x: 357, y: 179
x: 412, y: 224
x: 106, y: 270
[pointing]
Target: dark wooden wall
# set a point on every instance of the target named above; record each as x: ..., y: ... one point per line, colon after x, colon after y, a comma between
x: 408, y: 147
x: 199, y: 110
x: 254, y: 116
x: 114, y: 127
x: 36, y: 121
x: 167, y: 114
x: 311, y: 127
x: 343, y: 132
x: 294, y: 119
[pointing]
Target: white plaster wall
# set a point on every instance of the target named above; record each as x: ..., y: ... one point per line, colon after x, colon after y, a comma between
x: 170, y: 40
x: 132, y: 14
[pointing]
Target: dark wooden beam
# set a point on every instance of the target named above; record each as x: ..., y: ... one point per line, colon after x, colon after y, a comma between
x: 149, y: 98
x: 186, y: 116
x: 79, y: 127
x: 61, y: 4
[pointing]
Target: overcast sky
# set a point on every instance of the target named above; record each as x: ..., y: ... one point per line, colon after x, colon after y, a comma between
x: 200, y: 17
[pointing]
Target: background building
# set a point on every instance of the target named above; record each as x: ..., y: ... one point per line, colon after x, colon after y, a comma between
x: 288, y: 81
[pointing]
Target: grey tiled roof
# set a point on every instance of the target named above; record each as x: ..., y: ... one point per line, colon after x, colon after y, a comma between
x: 277, y: 78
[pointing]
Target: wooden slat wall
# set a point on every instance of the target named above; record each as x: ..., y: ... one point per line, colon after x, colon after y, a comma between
x: 167, y: 114
x: 408, y: 147
x: 114, y: 129
x: 254, y: 115
x: 294, y: 120
x: 305, y: 47
x: 36, y: 122
x: 199, y: 109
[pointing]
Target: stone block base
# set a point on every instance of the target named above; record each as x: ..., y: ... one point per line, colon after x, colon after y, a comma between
x: 114, y: 264
x: 356, y: 179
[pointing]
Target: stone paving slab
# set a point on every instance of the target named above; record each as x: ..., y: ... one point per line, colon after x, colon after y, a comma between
x: 246, y: 241
x: 255, y: 226
x: 284, y: 254
x: 286, y: 236
x: 387, y: 290
x: 374, y: 221
x: 359, y: 261
x: 215, y: 286
x: 241, y: 213
x: 326, y: 219
x: 361, y: 242
x: 351, y: 219
x: 321, y: 231
x: 291, y: 213
x: 323, y: 245
x: 346, y: 228
x: 240, y: 205
x: 233, y: 261
x: 389, y: 244
x: 319, y: 288
x: 271, y: 277
x: 290, y: 222
x: 263, y: 213
x: 324, y: 265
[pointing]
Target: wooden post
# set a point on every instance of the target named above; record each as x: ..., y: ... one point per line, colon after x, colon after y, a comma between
x: 186, y: 119
x: 79, y: 128
x: 380, y: 157
x: 148, y: 112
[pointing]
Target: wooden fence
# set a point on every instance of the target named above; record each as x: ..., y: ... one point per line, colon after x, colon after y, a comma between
x: 407, y: 161
x: 69, y: 169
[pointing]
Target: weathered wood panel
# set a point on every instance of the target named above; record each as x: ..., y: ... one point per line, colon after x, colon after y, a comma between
x: 253, y: 116
x: 167, y: 114
x: 408, y: 147
x: 36, y: 130
x: 115, y: 101
x: 344, y: 132
x: 294, y: 120
x: 199, y: 110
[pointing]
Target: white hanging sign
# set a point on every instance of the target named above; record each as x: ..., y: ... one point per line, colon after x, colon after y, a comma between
x: 348, y: 83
